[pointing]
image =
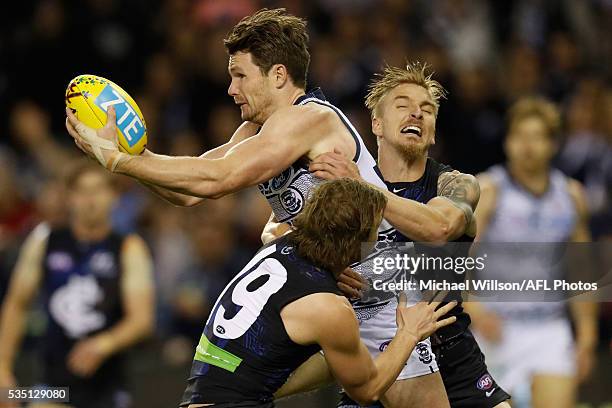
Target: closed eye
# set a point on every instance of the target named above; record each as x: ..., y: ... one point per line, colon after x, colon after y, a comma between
x: 428, y: 108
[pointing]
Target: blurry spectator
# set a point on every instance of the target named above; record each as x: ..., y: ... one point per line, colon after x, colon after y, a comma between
x: 587, y: 153
x: 16, y: 212
x: 44, y: 157
x: 463, y: 27
x: 217, y: 255
x: 472, y: 122
x: 50, y: 204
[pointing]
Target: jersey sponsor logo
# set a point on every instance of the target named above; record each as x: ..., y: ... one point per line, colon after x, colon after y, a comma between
x: 72, y: 306
x: 424, y: 353
x: 485, y: 382
x: 489, y: 393
x: 282, y: 179
x: 59, y: 261
x: 103, y: 264
x: 276, y: 183
x: 292, y: 200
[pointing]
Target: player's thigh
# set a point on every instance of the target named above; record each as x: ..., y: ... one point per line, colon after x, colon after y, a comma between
x: 504, y: 404
x: 553, y: 391
x: 424, y: 391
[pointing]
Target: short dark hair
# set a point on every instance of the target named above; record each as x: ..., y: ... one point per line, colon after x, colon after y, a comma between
x: 78, y: 167
x: 273, y: 37
x: 337, y: 218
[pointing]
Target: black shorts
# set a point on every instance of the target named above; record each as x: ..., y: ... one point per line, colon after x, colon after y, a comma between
x: 467, y: 381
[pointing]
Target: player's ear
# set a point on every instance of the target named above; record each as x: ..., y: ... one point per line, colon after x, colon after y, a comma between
x: 279, y: 75
x: 377, y: 126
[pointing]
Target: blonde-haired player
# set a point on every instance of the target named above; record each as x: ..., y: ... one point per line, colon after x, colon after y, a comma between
x: 404, y: 106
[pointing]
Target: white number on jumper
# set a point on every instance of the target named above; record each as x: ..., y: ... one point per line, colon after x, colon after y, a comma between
x: 252, y: 302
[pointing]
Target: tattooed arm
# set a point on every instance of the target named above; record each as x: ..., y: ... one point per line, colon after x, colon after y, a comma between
x: 443, y: 218
x: 458, y: 195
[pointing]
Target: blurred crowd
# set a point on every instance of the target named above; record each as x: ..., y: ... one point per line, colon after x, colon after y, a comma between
x: 170, y: 57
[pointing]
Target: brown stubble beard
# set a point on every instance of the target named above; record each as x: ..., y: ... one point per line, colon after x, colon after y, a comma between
x: 413, y: 151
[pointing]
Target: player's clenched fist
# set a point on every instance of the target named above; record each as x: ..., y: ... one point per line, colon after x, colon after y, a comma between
x: 421, y: 320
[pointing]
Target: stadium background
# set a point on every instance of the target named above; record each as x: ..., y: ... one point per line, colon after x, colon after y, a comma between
x: 169, y: 56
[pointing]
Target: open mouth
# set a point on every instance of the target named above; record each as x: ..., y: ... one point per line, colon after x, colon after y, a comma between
x: 412, y: 129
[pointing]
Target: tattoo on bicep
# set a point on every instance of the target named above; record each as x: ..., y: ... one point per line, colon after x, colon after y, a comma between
x: 459, y: 188
x: 462, y: 190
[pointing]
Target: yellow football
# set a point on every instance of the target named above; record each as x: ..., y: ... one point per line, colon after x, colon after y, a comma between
x: 90, y: 96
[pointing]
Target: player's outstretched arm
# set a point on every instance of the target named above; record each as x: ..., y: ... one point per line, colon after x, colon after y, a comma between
x: 286, y: 136
x: 244, y: 131
x: 25, y: 282
x: 364, y: 379
x: 138, y: 300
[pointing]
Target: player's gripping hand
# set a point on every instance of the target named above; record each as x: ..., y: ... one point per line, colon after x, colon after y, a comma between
x: 333, y: 166
x: 421, y: 320
x: 100, y: 144
x: 351, y: 283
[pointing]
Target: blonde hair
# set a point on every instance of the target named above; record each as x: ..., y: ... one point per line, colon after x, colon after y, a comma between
x: 540, y: 108
x: 415, y: 73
